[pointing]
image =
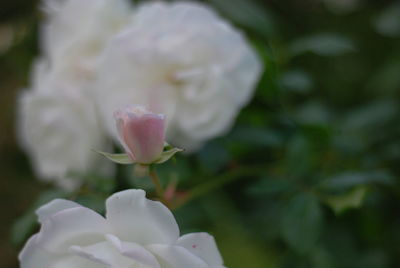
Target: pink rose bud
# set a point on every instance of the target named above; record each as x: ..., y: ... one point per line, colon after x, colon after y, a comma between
x: 141, y: 132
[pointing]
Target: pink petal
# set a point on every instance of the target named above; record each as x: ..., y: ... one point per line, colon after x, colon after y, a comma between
x: 144, y: 136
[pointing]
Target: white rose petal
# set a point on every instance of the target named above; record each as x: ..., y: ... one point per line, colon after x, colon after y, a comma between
x: 44, y: 212
x: 74, y: 261
x: 101, y: 253
x: 202, y: 245
x: 134, y: 251
x: 177, y: 257
x: 79, y: 226
x: 141, y: 220
x: 75, y: 236
x: 33, y: 256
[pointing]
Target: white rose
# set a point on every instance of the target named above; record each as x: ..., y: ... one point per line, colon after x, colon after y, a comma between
x: 136, y: 232
x: 58, y: 127
x: 58, y: 122
x: 75, y: 31
x: 72, y: 37
x: 182, y: 60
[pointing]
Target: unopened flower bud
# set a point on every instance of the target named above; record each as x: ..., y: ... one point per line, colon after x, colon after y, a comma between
x: 141, y: 132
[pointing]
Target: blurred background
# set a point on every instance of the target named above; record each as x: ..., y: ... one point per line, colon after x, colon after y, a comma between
x: 308, y: 176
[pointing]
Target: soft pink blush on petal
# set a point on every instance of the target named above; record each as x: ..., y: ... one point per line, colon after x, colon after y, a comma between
x: 121, y: 120
x: 144, y: 136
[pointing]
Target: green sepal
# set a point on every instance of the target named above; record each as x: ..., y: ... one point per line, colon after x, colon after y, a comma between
x: 123, y: 159
x: 349, y: 200
x: 166, y: 155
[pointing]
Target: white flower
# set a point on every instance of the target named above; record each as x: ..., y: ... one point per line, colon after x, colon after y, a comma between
x: 73, y: 36
x: 136, y: 232
x: 75, y: 31
x: 58, y: 122
x: 58, y: 127
x: 181, y: 60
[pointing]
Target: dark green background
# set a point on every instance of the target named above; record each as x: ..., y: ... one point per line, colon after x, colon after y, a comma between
x: 308, y: 177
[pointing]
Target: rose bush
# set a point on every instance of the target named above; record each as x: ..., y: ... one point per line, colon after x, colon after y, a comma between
x: 178, y: 59
x: 182, y: 60
x: 136, y: 232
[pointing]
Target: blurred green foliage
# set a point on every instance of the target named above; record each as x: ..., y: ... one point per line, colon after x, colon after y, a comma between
x: 308, y: 176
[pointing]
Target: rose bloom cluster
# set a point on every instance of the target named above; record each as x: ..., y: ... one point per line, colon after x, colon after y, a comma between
x: 178, y: 59
x: 135, y: 232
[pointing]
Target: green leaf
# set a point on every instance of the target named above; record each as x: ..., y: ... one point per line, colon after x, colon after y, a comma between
x: 296, y: 81
x: 302, y: 223
x: 123, y: 159
x: 352, y: 199
x: 388, y: 23
x: 271, y: 186
x: 373, y: 115
x: 347, y: 180
x: 322, y: 44
x: 313, y: 112
x: 166, y: 155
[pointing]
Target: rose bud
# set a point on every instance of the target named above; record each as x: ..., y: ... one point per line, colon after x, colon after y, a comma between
x: 141, y: 132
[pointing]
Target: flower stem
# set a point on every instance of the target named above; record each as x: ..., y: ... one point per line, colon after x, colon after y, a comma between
x: 157, y: 184
x: 220, y: 181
